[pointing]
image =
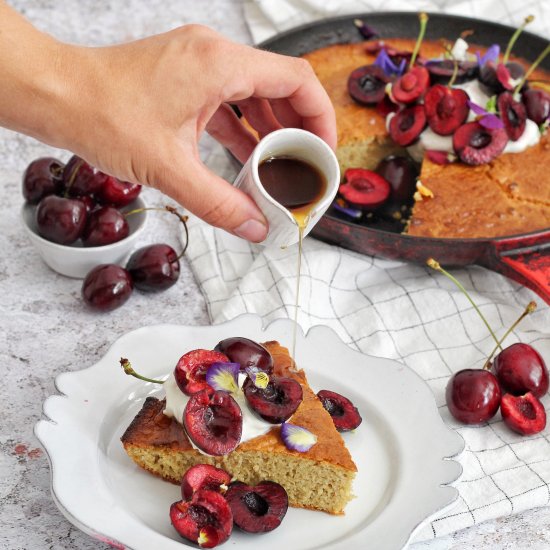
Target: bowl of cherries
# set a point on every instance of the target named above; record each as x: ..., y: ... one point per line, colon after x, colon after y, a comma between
x: 78, y: 217
x: 513, y: 378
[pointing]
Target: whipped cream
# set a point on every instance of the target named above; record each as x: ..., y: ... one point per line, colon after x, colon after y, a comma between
x: 429, y: 140
x: 176, y: 401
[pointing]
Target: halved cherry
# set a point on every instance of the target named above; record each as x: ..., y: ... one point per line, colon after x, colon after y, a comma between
x: 513, y: 114
x: 367, y: 84
x: 524, y: 414
x: 411, y: 86
x: 446, y: 108
x: 190, y: 372
x: 203, y: 476
x: 476, y: 144
x: 364, y: 188
x: 407, y: 124
x: 442, y: 70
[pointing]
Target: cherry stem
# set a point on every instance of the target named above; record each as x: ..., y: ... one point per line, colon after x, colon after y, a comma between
x: 171, y: 210
x: 76, y: 168
x: 126, y: 365
x: 531, y: 306
x: 515, y: 36
x: 423, y: 17
x: 435, y: 265
x: 454, y: 76
x: 536, y: 63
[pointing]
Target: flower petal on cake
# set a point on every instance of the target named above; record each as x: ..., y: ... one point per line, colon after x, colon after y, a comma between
x: 259, y: 377
x: 491, y: 55
x: 342, y: 206
x: 223, y: 376
x: 297, y: 438
x: 493, y: 122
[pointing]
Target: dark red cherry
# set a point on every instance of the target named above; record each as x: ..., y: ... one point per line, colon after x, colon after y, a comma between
x: 367, y: 85
x: 344, y: 413
x: 537, y: 105
x: 411, y: 86
x: 213, y: 421
x: 446, y: 108
x: 259, y: 508
x: 513, y: 115
x: 106, y: 225
x: 277, y: 402
x: 154, y: 267
x: 473, y: 395
x: 524, y: 414
x: 107, y: 287
x: 441, y: 71
x: 191, y: 369
x: 496, y: 78
x: 80, y: 178
x: 407, y: 124
x: 43, y: 176
x: 475, y: 144
x: 520, y: 369
x: 364, y: 188
x: 117, y: 193
x: 401, y: 173
x: 205, y: 520
x: 247, y: 353
x: 203, y: 476
x: 60, y: 220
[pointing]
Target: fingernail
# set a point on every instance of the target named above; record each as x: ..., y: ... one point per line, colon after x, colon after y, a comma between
x: 252, y: 230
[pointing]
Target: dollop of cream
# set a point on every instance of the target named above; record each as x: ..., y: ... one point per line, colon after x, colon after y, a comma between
x: 176, y: 400
x: 428, y: 140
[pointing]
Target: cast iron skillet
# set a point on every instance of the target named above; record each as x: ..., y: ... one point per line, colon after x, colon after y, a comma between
x: 524, y: 258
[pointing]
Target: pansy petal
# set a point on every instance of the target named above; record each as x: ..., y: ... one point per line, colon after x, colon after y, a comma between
x: 492, y: 122
x: 491, y: 55
x: 297, y: 438
x: 477, y: 109
x: 223, y: 376
x: 342, y: 206
x: 259, y: 377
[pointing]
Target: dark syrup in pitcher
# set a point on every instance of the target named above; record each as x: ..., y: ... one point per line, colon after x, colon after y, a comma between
x: 298, y: 186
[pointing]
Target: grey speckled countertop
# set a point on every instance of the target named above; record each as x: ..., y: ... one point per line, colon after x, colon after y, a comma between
x: 46, y: 330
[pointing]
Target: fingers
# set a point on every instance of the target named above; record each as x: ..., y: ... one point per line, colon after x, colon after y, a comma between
x: 212, y: 199
x: 272, y: 76
x: 259, y: 114
x: 226, y: 128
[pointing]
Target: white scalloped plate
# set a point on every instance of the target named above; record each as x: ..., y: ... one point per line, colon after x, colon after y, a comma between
x: 402, y: 448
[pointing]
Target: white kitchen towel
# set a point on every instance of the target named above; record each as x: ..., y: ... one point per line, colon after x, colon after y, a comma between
x: 394, y: 309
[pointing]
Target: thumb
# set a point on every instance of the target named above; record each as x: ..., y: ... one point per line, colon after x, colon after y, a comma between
x: 217, y: 202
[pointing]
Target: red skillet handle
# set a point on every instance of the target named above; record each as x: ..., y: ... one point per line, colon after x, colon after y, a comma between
x: 528, y: 263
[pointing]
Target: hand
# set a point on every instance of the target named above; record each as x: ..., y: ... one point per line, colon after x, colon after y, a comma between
x: 137, y: 111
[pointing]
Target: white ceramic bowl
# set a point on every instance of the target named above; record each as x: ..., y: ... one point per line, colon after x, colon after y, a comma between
x: 76, y: 260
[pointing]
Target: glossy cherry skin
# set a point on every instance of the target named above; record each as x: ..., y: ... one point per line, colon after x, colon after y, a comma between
x: 401, y: 174
x: 60, y: 220
x: 537, y: 105
x: 473, y: 395
x: 43, y: 176
x: 155, y: 267
x: 80, y: 178
x: 247, y: 353
x: 106, y: 225
x: 107, y: 287
x: 519, y: 369
x: 117, y: 193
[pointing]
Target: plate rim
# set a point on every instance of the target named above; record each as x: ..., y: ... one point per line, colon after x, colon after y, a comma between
x: 42, y: 429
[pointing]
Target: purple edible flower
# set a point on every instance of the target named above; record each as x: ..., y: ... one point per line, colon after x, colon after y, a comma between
x: 384, y: 61
x: 485, y: 118
x: 491, y: 55
x: 367, y: 32
x: 223, y: 376
x: 343, y: 207
x: 297, y: 438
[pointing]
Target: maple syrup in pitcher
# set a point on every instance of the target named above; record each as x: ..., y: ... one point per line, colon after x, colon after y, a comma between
x: 298, y: 186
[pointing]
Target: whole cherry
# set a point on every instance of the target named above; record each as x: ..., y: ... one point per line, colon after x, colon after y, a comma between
x: 519, y: 369
x: 42, y: 177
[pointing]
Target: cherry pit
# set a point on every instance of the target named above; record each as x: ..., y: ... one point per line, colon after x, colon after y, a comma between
x: 77, y: 202
x: 514, y: 381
